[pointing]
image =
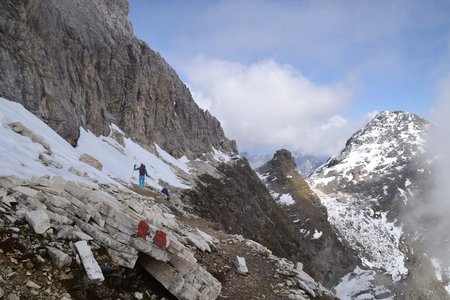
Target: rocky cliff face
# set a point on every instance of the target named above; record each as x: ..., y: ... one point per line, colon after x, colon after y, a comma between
x: 325, y: 256
x: 77, y: 63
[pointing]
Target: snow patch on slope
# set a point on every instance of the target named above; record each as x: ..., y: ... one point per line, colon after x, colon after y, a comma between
x: 282, y: 199
x: 286, y: 199
x: 375, y: 238
x: 19, y: 155
x: 180, y: 163
x: 317, y: 234
x: 441, y: 272
x: 220, y: 156
x: 360, y: 285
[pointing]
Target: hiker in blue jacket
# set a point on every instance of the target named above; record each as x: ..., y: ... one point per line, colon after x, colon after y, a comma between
x: 142, y: 174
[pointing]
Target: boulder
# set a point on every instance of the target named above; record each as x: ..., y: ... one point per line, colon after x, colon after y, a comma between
x: 8, y: 200
x: 33, y: 203
x: 48, y: 162
x: 306, y: 288
x: 53, y: 185
x: 149, y: 248
x: 32, y: 285
x: 299, y: 266
x: 127, y: 260
x: 258, y: 248
x: 56, y: 219
x: 90, y: 264
x: 198, y: 241
x: 38, y: 220
x: 65, y: 232
x: 75, y: 190
x: 35, y: 138
x: 192, y: 283
x: 87, y: 159
x: 105, y: 239
x: 57, y: 201
x: 241, y: 266
x: 80, y: 235
x: 305, y: 278
x: 12, y: 297
x: 59, y: 258
x: 26, y: 191
x: 12, y: 181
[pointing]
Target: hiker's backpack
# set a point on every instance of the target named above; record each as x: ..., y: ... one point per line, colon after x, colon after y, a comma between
x: 142, y: 170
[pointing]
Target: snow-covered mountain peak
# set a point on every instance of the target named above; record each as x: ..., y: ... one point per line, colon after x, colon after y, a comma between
x: 388, y: 127
x: 370, y: 184
x: 387, y: 142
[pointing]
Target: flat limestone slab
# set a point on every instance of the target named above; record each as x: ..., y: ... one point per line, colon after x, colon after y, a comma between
x: 90, y: 264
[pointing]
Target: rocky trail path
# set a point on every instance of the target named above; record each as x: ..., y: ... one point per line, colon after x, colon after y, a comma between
x: 40, y: 258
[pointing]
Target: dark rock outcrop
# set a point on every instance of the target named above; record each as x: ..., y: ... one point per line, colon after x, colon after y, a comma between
x: 76, y: 63
x: 240, y: 203
x: 327, y: 258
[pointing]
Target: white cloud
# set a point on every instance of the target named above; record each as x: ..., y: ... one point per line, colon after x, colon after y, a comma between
x: 431, y: 213
x: 271, y: 105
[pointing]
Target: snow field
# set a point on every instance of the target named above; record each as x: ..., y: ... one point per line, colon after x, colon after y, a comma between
x: 19, y: 155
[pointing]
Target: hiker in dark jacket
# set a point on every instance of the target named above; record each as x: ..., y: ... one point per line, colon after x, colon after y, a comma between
x: 142, y: 173
x: 166, y: 193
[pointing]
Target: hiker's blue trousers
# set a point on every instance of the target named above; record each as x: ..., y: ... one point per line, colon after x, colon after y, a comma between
x: 141, y: 180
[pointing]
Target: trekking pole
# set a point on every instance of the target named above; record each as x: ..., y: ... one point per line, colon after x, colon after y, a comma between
x: 132, y: 173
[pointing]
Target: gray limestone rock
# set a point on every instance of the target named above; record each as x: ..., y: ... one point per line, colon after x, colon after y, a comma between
x: 87, y: 159
x: 89, y: 262
x: 127, y: 260
x: 76, y: 63
x: 26, y: 191
x: 38, y: 220
x: 191, y: 284
x: 19, y: 128
x: 241, y: 266
x: 12, y: 297
x: 59, y: 258
x: 32, y: 285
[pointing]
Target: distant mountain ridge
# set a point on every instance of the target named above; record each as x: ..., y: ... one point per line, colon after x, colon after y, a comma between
x: 305, y: 163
